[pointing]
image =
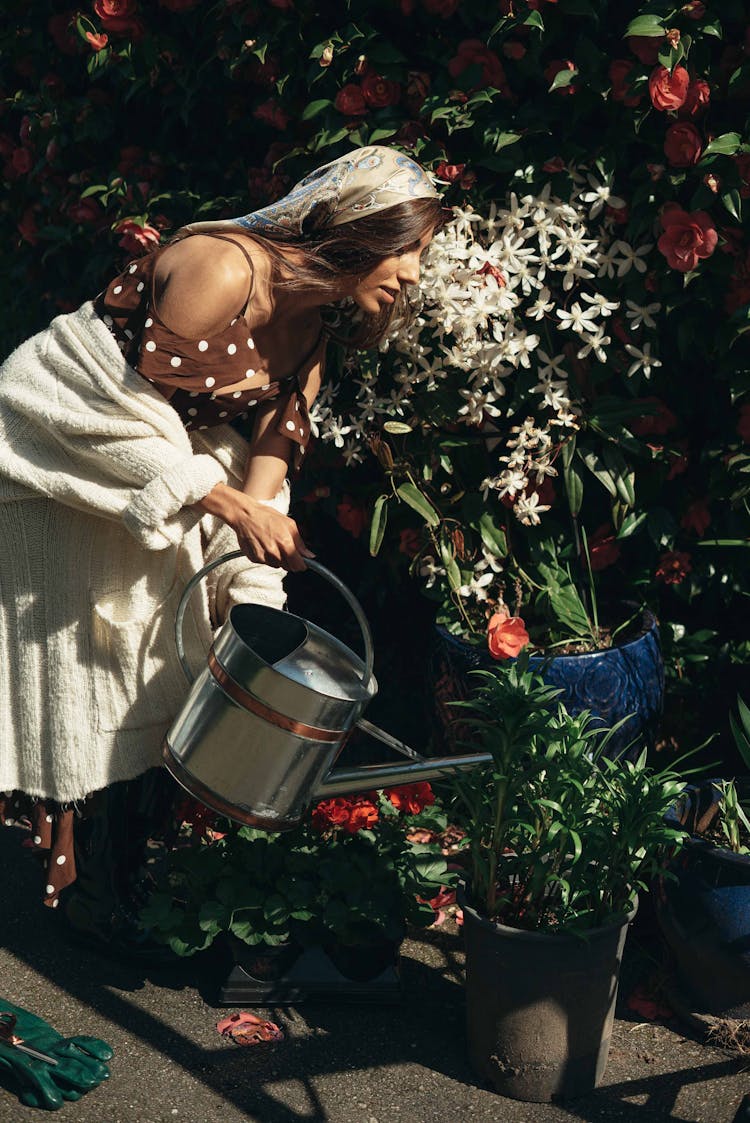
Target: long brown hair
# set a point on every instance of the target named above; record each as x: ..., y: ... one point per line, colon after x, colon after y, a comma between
x: 349, y: 250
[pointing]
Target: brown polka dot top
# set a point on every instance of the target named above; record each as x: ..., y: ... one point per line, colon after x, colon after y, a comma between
x: 208, y: 381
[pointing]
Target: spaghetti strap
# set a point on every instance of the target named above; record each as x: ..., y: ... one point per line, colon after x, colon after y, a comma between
x: 248, y: 259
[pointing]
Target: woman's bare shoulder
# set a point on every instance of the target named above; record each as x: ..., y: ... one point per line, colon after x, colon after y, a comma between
x: 202, y: 283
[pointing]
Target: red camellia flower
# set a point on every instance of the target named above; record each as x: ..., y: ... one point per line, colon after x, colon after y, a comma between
x: 673, y: 567
x: 743, y: 425
x: 668, y: 89
x: 604, y: 549
x: 271, y: 113
x: 27, y: 227
x: 683, y: 145
x: 443, y: 8
x: 506, y: 635
x: 620, y: 70
x: 553, y: 69
x: 379, y: 92
x: 646, y: 47
x: 696, y: 100
x: 350, y: 101
x: 22, y: 161
x: 473, y: 52
x: 136, y: 238
x: 513, y: 49
x: 97, y: 42
x: 694, y: 9
x: 661, y: 421
x: 411, y: 798
x: 688, y: 237
x: 84, y: 210
x: 553, y: 165
x: 351, y: 516
x: 118, y: 15
x: 697, y: 517
x: 449, y: 172
x: 62, y: 30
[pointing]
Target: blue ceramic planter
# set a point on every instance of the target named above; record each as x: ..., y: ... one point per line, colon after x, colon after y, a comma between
x: 704, y: 908
x: 625, y: 681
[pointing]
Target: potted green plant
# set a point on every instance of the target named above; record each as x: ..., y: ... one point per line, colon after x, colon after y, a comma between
x: 703, y: 908
x: 559, y: 841
x: 346, y: 881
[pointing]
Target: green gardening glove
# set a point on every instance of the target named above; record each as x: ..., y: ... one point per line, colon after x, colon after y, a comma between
x: 80, y: 1060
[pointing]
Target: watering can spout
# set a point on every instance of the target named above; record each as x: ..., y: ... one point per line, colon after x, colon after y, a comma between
x: 347, y: 781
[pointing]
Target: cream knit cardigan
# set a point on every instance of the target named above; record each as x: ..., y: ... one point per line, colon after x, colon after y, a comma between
x: 97, y: 541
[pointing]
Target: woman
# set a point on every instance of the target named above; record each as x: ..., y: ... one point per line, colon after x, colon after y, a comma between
x: 120, y: 477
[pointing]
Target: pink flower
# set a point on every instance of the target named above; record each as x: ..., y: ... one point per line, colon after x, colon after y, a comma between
x: 696, y: 100
x: 620, y: 70
x: 604, y: 549
x: 379, y: 92
x: 351, y: 516
x: 506, y: 635
x: 411, y: 798
x: 136, y: 238
x: 97, y: 42
x: 646, y: 47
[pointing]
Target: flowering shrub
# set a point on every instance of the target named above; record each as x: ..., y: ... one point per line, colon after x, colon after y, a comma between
x: 354, y: 872
x: 111, y: 138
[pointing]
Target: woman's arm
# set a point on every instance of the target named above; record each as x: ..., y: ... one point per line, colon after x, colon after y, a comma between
x: 198, y: 291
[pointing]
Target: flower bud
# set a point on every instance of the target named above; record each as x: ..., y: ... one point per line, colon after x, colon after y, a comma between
x: 327, y: 57
x: 361, y: 65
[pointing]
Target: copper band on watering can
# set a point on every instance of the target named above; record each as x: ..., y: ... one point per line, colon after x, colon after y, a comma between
x: 248, y: 702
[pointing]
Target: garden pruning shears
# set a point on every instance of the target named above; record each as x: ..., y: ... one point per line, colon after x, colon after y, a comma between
x: 7, y: 1025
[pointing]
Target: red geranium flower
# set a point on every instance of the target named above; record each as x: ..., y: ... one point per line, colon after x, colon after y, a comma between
x: 673, y: 567
x: 688, y: 237
x: 411, y: 798
x: 271, y: 113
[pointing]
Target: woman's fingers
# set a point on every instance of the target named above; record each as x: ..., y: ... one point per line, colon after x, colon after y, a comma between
x: 268, y: 537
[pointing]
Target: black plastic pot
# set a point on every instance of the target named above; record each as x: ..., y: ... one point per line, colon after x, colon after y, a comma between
x: 703, y: 909
x: 540, y: 1007
x: 262, y: 961
x: 624, y: 681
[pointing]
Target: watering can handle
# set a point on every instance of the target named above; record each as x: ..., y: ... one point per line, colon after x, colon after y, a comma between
x: 316, y: 567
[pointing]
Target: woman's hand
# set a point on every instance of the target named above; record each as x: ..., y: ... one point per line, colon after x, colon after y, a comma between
x: 264, y: 535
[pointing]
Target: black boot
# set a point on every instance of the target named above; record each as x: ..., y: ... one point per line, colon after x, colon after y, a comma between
x: 112, y: 853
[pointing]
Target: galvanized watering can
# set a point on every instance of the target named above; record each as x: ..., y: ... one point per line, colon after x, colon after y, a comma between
x: 264, y: 721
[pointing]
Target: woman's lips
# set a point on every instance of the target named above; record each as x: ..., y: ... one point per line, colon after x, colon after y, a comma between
x: 389, y: 296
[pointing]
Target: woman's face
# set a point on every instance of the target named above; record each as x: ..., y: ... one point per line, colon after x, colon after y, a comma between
x: 380, y: 287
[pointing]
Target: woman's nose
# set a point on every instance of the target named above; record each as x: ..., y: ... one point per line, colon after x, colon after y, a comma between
x: 408, y: 269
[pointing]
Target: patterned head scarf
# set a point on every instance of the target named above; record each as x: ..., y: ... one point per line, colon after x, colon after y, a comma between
x: 362, y: 182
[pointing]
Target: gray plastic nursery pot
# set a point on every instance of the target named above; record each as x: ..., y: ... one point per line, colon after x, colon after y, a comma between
x: 540, y: 1007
